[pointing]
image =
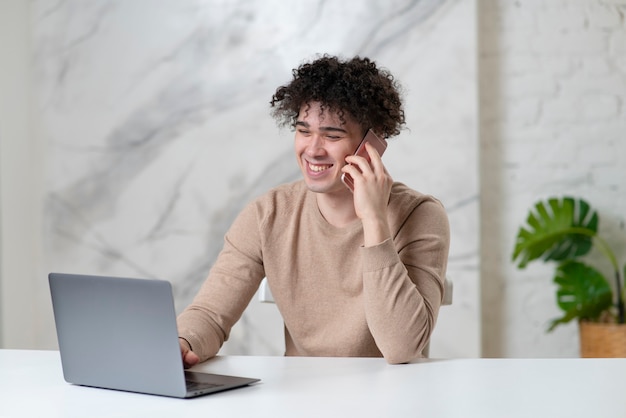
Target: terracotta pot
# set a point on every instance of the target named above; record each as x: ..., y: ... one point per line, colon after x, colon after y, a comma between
x: 599, y: 339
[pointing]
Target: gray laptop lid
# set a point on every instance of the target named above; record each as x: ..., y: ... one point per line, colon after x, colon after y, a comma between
x: 120, y: 333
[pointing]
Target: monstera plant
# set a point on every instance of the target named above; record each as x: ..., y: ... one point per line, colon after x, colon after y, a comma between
x: 562, y: 231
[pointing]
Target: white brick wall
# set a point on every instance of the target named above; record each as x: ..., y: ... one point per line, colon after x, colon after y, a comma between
x: 553, y: 122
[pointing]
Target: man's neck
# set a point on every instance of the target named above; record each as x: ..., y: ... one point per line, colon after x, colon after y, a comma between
x: 337, y: 208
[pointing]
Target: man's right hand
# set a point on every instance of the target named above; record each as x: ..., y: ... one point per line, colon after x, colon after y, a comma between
x: 189, y: 357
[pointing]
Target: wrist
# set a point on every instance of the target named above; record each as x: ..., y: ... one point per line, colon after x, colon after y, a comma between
x: 375, y: 231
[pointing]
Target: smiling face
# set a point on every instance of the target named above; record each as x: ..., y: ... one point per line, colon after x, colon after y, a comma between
x: 322, y: 143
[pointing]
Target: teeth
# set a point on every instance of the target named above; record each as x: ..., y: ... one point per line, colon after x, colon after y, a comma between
x: 318, y: 168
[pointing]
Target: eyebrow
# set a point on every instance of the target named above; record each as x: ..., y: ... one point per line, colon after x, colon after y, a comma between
x: 322, y: 128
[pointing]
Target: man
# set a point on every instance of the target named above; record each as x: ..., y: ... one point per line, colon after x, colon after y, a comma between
x: 353, y: 273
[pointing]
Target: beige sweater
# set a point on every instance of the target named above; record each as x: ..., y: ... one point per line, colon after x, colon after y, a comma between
x: 336, y: 297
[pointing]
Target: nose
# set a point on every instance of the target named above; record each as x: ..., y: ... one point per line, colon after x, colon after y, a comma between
x: 315, y: 147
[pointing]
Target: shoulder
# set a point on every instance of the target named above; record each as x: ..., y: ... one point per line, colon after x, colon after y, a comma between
x: 284, y: 194
x: 277, y: 205
x: 284, y: 199
x: 405, y: 202
x: 404, y: 196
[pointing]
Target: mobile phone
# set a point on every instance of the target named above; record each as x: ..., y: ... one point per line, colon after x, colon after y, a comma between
x: 379, y: 144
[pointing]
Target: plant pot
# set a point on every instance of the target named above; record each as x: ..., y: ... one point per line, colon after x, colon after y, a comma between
x: 598, y: 339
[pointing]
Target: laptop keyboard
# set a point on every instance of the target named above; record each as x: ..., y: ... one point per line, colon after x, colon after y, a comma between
x: 193, y: 385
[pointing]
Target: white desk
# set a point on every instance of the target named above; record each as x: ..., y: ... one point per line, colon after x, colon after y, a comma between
x: 32, y: 385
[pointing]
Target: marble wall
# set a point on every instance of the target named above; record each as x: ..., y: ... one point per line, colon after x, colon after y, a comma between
x: 155, y: 122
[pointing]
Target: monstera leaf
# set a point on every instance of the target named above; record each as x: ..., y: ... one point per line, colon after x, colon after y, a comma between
x: 582, y: 292
x: 557, y: 230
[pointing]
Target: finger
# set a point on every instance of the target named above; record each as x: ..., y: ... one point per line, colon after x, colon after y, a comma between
x: 353, y: 171
x: 362, y: 164
x: 372, y: 151
x: 190, y: 359
x: 356, y: 160
x: 376, y: 162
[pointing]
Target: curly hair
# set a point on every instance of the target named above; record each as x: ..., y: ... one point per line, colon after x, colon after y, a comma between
x: 355, y: 87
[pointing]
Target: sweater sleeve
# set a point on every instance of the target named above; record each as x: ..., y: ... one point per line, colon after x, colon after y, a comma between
x: 226, y: 292
x: 403, y: 283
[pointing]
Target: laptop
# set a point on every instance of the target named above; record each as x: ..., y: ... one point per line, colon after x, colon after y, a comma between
x: 120, y: 333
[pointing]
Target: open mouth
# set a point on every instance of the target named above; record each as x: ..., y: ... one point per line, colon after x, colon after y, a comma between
x: 318, y: 168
